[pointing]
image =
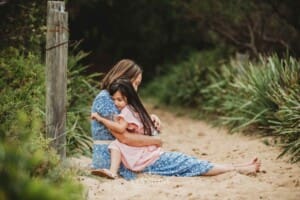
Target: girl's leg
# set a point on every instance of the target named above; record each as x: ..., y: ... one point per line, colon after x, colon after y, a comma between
x: 115, y: 161
x: 115, y: 156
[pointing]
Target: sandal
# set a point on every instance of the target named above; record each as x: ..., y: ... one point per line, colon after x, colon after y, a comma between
x: 104, y: 173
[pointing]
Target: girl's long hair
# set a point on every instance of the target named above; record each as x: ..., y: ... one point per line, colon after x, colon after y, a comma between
x: 126, y: 89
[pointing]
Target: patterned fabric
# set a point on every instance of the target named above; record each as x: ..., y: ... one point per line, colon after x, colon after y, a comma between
x: 178, y: 164
x: 169, y: 163
x: 104, y: 105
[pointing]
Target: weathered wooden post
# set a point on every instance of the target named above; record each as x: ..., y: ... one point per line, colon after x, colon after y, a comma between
x: 56, y: 75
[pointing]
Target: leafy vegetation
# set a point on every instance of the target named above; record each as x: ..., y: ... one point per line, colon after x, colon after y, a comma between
x: 23, y: 25
x: 29, y: 169
x: 245, y: 95
x: 81, y: 90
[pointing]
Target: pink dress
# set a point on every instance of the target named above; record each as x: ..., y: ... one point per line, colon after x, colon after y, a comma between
x: 135, y: 158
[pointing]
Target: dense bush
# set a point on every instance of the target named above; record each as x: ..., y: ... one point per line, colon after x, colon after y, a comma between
x: 23, y: 86
x: 29, y: 169
x: 28, y: 166
x: 183, y: 83
x: 261, y: 95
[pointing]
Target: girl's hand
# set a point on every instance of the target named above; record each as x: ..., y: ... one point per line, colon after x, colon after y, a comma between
x: 156, y: 121
x: 95, y: 116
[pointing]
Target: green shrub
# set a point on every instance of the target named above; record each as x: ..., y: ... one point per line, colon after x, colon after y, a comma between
x: 246, y: 102
x: 286, y: 119
x: 261, y: 97
x: 81, y: 90
x: 28, y: 166
x: 183, y: 83
x: 21, y: 87
x: 29, y: 169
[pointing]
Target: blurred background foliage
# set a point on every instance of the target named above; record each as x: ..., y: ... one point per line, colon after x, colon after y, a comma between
x: 236, y: 62
x: 158, y: 32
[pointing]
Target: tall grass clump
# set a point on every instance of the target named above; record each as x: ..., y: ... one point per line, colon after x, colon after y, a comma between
x: 81, y: 90
x: 246, y: 101
x: 255, y: 97
x: 286, y: 120
x: 264, y: 96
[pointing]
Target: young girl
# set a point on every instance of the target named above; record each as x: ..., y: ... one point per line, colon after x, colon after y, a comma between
x: 135, y: 119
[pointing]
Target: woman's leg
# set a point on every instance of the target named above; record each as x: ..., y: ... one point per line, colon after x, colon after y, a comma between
x: 219, y: 169
x: 244, y: 168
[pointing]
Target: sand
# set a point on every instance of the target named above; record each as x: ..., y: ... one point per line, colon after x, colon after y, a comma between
x: 278, y: 178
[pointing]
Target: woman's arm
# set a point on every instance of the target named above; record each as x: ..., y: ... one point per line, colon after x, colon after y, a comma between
x: 114, y: 126
x: 137, y: 140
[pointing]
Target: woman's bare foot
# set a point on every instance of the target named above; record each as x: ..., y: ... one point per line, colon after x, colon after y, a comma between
x: 104, y: 173
x: 257, y: 164
x: 253, y: 161
x: 251, y: 169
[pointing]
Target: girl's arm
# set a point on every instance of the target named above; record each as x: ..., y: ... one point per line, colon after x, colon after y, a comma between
x: 118, y: 126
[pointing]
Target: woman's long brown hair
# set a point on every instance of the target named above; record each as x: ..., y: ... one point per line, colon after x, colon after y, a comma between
x: 125, y: 68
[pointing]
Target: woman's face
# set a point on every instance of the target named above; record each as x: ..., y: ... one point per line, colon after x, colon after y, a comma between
x: 119, y: 100
x: 137, y: 81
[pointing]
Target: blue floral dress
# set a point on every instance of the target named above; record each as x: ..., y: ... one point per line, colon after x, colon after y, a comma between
x: 169, y: 163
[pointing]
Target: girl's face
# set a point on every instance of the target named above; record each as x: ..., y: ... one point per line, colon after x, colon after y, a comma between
x: 137, y: 81
x: 119, y: 100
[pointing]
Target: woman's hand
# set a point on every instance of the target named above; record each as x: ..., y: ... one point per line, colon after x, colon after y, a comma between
x: 156, y: 121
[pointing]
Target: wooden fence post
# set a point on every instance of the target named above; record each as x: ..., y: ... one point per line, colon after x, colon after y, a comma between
x: 56, y: 75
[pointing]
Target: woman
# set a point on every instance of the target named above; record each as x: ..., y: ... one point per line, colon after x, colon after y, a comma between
x: 169, y: 163
x: 104, y: 105
x: 134, y: 118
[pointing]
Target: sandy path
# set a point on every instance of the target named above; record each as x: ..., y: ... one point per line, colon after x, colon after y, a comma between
x: 279, y: 179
